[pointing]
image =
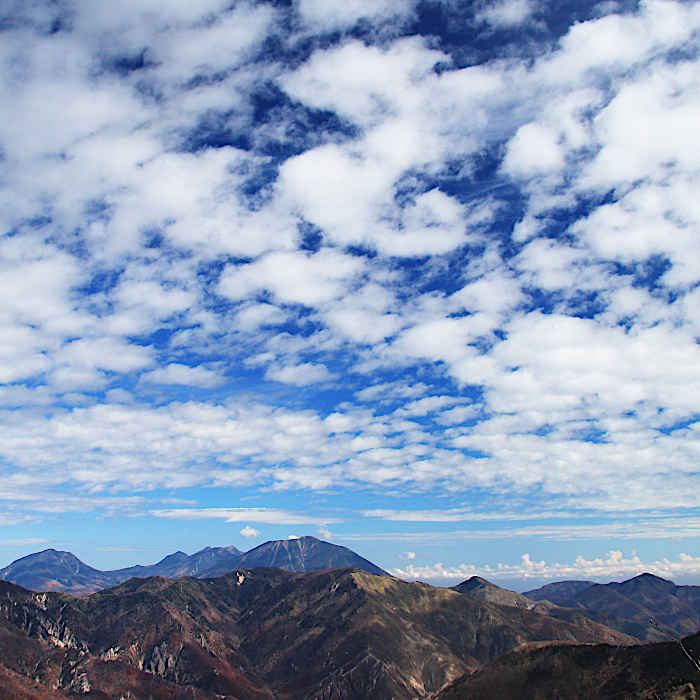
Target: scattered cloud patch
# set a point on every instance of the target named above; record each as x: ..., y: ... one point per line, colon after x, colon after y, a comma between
x: 336, y: 15
x: 250, y: 532
x: 300, y: 375
x: 176, y: 373
x: 507, y: 13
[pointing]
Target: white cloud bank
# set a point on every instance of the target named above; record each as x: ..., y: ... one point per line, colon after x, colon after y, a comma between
x: 613, y: 565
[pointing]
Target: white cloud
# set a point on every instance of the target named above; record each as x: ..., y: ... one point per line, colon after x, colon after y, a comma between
x: 365, y: 316
x: 269, y: 516
x: 333, y: 14
x: 105, y: 353
x: 613, y: 565
x: 293, y: 277
x: 217, y: 45
x: 250, y: 532
x: 507, y: 13
x: 557, y: 353
x: 391, y: 391
x: 407, y: 113
x: 109, y: 18
x: 254, y: 316
x: 300, y: 375
x: 534, y: 150
x: 360, y: 82
x: 458, y: 414
x: 176, y: 373
x: 325, y: 533
x: 443, y: 339
x: 430, y: 404
x: 493, y: 293
x: 449, y: 515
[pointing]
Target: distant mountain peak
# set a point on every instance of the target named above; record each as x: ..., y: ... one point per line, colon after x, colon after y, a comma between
x: 51, y: 553
x: 483, y: 589
x: 56, y: 570
x: 302, y: 554
x: 646, y: 576
x: 174, y: 556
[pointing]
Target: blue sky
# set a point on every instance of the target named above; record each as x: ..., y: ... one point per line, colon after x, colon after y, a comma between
x: 420, y: 278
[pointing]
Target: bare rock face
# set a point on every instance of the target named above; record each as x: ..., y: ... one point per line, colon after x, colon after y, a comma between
x: 263, y: 633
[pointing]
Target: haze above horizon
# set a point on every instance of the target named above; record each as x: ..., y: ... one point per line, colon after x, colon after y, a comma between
x: 418, y: 277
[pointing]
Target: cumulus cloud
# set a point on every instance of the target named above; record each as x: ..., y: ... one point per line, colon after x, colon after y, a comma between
x: 176, y: 373
x: 299, y: 375
x: 294, y: 277
x: 507, y: 13
x: 250, y: 532
x: 335, y: 15
x: 482, y: 270
x: 613, y: 565
x: 533, y: 150
x: 324, y: 532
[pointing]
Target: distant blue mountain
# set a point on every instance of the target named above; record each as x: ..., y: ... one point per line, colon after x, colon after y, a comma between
x: 302, y: 554
x: 53, y: 570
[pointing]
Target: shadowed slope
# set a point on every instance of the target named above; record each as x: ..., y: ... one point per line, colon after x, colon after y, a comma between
x: 603, y: 672
x: 559, y: 592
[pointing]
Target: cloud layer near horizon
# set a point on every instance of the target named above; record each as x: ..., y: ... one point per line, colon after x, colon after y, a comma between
x: 281, y: 248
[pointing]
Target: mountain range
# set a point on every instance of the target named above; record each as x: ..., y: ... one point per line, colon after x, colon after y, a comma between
x: 306, y: 619
x: 53, y: 570
x: 629, y: 606
x: 261, y: 634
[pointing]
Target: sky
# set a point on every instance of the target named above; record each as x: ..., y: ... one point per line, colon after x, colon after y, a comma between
x: 417, y: 277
